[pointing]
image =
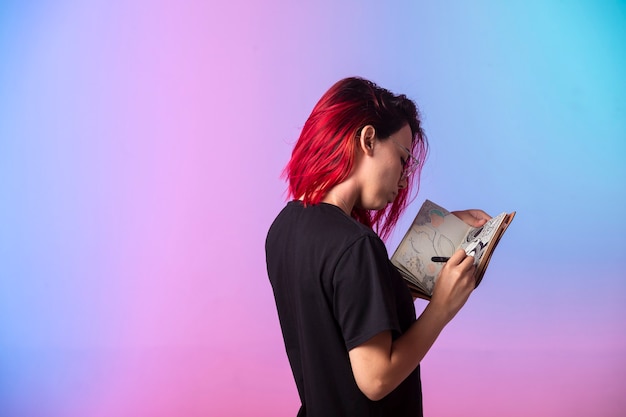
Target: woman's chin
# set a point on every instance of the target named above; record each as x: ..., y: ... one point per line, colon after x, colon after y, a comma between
x: 382, y: 206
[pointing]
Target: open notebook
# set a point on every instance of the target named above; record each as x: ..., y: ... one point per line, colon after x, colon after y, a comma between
x: 435, y: 232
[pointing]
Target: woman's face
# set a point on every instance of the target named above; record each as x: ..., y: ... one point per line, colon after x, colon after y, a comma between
x: 383, y: 170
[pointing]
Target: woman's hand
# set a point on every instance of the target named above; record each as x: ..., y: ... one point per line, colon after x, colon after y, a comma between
x: 454, y: 284
x: 473, y: 217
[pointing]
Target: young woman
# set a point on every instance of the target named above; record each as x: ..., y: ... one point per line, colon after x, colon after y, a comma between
x: 348, y: 320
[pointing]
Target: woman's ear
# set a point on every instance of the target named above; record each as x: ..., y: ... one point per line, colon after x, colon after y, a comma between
x: 367, y: 139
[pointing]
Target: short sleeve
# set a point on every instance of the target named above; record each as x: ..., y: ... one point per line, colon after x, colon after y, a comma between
x: 363, y: 300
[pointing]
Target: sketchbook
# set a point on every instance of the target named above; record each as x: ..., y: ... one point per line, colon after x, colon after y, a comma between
x: 435, y: 232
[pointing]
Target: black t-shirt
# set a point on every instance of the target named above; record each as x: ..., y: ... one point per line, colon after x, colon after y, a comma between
x: 335, y: 288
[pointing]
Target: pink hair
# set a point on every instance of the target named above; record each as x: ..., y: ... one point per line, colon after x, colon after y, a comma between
x: 325, y: 152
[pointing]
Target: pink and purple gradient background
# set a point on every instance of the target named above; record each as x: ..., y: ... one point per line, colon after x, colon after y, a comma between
x: 141, y: 145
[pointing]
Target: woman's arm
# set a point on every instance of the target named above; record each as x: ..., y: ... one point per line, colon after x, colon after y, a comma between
x: 380, y: 365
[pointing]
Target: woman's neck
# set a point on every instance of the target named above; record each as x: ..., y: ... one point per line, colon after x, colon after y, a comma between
x: 341, y: 197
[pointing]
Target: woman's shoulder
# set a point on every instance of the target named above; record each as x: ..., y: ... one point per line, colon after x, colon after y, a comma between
x: 326, y: 221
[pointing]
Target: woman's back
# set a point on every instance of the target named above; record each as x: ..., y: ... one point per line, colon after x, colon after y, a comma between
x: 334, y: 289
